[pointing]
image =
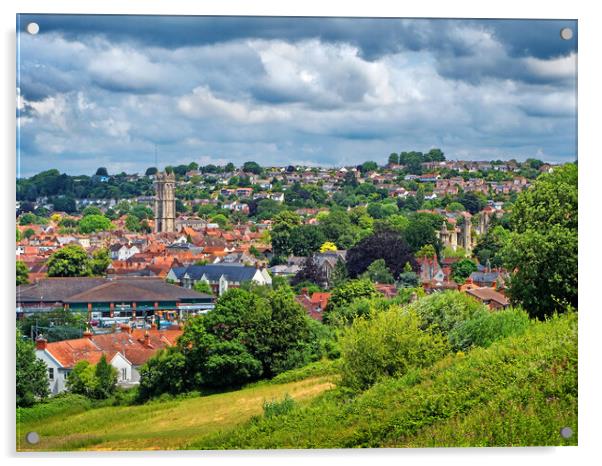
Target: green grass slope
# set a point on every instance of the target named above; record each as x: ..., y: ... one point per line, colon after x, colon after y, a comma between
x: 518, y: 392
x: 69, y: 424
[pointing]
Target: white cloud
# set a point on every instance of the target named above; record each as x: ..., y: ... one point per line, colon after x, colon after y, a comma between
x: 555, y: 68
x: 203, y: 104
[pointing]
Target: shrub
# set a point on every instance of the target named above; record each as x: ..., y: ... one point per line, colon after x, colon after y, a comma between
x: 163, y: 373
x: 62, y: 404
x: 486, y: 327
x: 444, y: 311
x: 389, y: 344
x: 277, y: 408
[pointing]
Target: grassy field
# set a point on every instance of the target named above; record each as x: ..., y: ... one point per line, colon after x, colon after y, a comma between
x: 161, y: 425
x: 521, y: 391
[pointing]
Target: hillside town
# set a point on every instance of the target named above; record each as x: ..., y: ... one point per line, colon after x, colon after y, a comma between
x: 192, y: 233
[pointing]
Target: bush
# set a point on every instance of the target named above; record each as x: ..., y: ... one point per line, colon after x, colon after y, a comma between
x: 62, y: 404
x: 277, y: 408
x: 486, y: 327
x: 316, y: 369
x: 163, y: 373
x: 518, y: 392
x: 389, y: 344
x: 442, y: 312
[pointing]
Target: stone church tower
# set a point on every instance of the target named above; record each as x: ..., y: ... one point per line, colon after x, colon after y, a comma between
x: 165, y: 202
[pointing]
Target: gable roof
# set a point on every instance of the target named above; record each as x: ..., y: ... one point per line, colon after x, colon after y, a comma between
x: 232, y: 272
x: 488, y: 294
x: 56, y: 289
x: 135, y: 289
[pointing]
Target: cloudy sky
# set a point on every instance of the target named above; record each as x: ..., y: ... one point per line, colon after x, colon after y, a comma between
x: 106, y: 90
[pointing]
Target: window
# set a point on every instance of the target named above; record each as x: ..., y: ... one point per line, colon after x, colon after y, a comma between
x: 50, y: 373
x: 124, y: 374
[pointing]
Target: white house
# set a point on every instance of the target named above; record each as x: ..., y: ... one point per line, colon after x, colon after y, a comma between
x: 60, y: 358
x: 126, y: 351
x: 123, y: 252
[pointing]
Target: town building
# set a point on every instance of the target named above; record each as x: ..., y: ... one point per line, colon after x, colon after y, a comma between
x: 125, y: 350
x: 136, y: 300
x: 165, y: 203
x: 220, y: 277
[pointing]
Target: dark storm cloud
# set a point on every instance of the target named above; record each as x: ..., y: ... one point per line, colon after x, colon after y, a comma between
x: 374, y: 36
x: 105, y: 90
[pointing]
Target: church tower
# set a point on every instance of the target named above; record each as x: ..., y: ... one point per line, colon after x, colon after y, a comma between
x: 165, y: 202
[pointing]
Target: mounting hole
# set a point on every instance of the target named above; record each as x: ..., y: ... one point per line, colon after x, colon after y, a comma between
x: 32, y: 438
x: 566, y: 33
x: 566, y: 432
x: 33, y: 28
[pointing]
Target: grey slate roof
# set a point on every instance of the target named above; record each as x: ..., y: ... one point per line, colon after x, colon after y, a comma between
x: 232, y: 272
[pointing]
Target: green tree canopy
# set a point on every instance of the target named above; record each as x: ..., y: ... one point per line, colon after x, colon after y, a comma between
x: 378, y: 272
x: 31, y: 374
x: 94, y: 223
x: 542, y: 249
x: 70, y: 261
x: 22, y: 273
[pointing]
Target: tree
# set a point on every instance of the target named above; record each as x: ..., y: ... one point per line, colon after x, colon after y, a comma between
x: 94, y: 223
x: 422, y: 230
x: 91, y: 210
x: 462, y: 269
x: 328, y: 246
x: 542, y: 249
x: 346, y: 294
x: 252, y: 167
x: 31, y: 374
x: 385, y: 244
x: 306, y: 240
x: 106, y: 379
x: 22, y: 273
x: 132, y: 223
x: 94, y: 381
x: 426, y: 251
x: 70, y: 261
x: 389, y: 344
x: 378, y: 272
x: 283, y: 225
x: 151, y: 171
x: 454, y: 207
x: 64, y: 204
x: 473, y: 202
x: 369, y: 166
x: 310, y: 272
x: 102, y: 171
x: 339, y: 274
x: 408, y: 278
x: 229, y: 167
x: 202, y: 287
x: 489, y: 246
x: 393, y: 158
x: 81, y: 380
x: 100, y: 261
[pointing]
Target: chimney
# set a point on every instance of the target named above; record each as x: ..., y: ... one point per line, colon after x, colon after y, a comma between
x: 88, y: 334
x: 41, y: 343
x: 147, y: 339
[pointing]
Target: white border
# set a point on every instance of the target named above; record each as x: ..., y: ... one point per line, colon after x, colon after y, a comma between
x: 590, y: 37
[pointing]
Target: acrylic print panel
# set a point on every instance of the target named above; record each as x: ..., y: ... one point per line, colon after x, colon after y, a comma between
x: 272, y: 232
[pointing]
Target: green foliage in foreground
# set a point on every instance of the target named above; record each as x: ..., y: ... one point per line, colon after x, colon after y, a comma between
x: 520, y: 391
x: 388, y: 344
x: 487, y: 327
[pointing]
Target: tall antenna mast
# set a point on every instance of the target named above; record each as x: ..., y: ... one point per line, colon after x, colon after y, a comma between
x: 156, y: 163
